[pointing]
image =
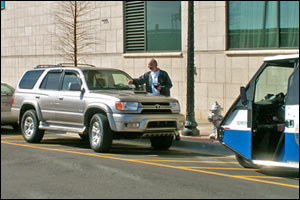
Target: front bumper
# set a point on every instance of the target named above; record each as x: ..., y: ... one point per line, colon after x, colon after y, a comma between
x: 147, y: 122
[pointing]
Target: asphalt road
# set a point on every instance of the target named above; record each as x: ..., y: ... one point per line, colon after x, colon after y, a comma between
x: 63, y: 167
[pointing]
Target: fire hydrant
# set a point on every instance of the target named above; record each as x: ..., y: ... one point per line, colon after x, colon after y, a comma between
x: 215, y: 118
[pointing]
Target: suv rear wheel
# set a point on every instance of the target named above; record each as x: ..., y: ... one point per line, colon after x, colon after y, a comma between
x: 100, y: 134
x: 30, y: 127
x: 162, y: 142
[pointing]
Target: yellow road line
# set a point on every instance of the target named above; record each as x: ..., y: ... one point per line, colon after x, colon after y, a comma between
x: 226, y: 168
x: 188, y: 161
x: 154, y: 164
x: 12, y: 137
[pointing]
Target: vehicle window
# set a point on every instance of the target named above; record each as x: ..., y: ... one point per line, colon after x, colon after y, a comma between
x: 120, y: 79
x: 271, y: 82
x: 51, y: 81
x: 293, y: 90
x: 6, y: 89
x: 105, y: 79
x: 70, y: 78
x: 30, y: 78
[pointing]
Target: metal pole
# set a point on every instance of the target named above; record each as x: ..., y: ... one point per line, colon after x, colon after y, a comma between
x: 190, y: 128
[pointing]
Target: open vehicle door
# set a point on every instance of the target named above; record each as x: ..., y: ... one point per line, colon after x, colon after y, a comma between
x: 254, y: 126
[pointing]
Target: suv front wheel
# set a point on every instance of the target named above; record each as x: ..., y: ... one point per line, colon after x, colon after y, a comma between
x: 30, y: 127
x: 100, y: 134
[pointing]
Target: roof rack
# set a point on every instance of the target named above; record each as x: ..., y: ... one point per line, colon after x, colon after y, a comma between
x: 62, y: 65
x: 72, y: 65
x: 45, y: 66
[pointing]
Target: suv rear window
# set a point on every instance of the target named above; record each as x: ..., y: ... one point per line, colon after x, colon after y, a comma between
x: 30, y: 78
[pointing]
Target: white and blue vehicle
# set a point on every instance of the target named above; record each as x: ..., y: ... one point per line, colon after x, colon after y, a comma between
x: 262, y: 125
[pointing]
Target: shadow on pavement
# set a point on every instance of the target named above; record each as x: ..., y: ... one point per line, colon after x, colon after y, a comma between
x: 8, y: 130
x: 280, y: 172
x: 121, y: 148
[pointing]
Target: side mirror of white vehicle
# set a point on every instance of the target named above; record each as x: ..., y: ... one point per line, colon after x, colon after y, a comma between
x: 243, y: 96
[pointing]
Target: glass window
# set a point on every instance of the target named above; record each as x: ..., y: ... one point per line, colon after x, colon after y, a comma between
x: 263, y: 24
x: 51, y: 81
x: 163, y: 25
x: 6, y: 89
x: 289, y: 24
x: 152, y: 26
x: 107, y: 80
x: 70, y: 78
x: 29, y: 79
x: 2, y: 5
x: 272, y: 81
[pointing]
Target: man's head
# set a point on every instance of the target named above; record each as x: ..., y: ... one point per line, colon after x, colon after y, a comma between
x: 152, y: 65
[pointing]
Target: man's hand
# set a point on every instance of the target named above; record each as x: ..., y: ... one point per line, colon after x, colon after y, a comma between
x: 159, y: 88
x: 130, y: 81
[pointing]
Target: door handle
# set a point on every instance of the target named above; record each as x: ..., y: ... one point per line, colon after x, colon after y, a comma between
x: 61, y: 98
x: 289, y: 123
x: 37, y: 97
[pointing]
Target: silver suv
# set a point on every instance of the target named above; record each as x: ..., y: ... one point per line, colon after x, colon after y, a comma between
x: 96, y: 103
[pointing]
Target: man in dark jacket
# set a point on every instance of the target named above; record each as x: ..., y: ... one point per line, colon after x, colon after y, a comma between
x: 157, y: 81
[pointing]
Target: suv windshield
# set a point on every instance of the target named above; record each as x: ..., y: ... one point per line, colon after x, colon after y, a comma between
x: 107, y: 80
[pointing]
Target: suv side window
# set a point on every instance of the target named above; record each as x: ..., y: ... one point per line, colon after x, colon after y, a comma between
x: 51, y: 81
x: 30, y: 78
x: 70, y: 77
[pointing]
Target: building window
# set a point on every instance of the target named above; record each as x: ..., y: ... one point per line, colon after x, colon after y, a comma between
x: 263, y: 24
x: 2, y: 5
x: 152, y: 26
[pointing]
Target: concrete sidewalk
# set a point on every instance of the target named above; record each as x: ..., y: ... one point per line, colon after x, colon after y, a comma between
x: 205, y: 129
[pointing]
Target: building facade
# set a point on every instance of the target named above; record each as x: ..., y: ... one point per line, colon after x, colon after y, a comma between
x: 231, y: 40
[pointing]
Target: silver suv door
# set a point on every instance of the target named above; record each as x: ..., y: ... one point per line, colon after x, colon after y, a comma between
x: 70, y: 103
x: 47, y: 94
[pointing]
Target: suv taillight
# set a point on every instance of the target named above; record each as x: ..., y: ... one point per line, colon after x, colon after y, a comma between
x: 12, y: 101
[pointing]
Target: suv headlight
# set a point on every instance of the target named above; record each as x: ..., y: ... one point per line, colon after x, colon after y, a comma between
x: 175, y: 106
x: 127, y: 106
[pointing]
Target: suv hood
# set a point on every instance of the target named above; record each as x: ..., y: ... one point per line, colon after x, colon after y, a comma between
x: 129, y: 95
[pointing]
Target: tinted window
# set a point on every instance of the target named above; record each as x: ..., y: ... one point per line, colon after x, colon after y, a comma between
x: 30, y: 78
x: 163, y: 26
x: 263, y: 24
x: 152, y: 26
x: 70, y: 78
x: 51, y: 81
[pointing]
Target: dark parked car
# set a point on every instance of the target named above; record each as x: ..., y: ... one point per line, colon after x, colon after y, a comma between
x: 6, y: 102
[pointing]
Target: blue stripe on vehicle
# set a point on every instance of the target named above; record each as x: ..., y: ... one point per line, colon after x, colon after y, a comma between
x: 291, y: 147
x: 238, y: 140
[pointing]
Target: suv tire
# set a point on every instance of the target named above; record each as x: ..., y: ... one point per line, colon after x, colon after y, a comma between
x: 100, y: 134
x: 30, y: 127
x: 162, y: 142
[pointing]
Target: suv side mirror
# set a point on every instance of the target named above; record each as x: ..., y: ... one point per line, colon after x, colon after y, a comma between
x: 74, y: 87
x: 243, y: 96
